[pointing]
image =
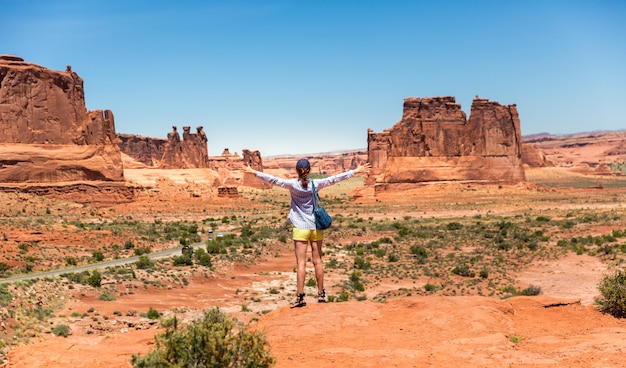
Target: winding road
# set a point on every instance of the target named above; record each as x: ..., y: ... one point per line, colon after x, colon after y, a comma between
x: 100, y: 265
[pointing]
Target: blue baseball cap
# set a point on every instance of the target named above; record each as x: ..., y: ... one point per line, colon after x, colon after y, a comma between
x: 303, y: 163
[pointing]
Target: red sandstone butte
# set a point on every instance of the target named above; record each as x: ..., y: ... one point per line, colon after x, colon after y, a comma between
x: 434, y: 142
x: 46, y: 133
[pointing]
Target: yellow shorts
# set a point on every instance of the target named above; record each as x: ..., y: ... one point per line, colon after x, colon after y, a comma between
x: 307, y: 235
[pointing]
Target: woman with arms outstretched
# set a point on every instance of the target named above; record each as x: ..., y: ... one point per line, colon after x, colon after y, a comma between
x: 301, y: 217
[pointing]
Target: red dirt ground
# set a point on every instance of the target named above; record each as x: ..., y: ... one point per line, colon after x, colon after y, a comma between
x: 560, y: 328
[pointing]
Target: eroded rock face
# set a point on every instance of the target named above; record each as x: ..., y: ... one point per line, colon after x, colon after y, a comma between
x: 435, y: 142
x: 533, y: 157
x: 190, y: 152
x: 146, y: 150
x: 254, y: 160
x: 46, y: 133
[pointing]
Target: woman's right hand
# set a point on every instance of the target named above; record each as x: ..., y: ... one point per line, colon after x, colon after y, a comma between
x: 249, y: 170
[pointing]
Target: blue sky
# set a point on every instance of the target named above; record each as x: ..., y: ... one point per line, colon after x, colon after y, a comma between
x: 298, y: 77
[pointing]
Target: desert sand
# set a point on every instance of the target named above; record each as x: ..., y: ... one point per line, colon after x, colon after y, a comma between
x: 561, y: 327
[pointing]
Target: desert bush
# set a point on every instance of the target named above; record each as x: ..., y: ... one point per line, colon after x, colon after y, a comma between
x: 214, y: 341
x: 95, y: 279
x: 107, y: 297
x: 463, y: 270
x: 141, y: 251
x: 362, y: 263
x: 4, y: 268
x: 62, y: 330
x: 144, y: 262
x: 531, y: 290
x: 613, y: 291
x: 214, y: 247
x: 129, y: 244
x: 183, y: 260
x: 203, y: 258
x: 97, y: 256
x: 153, y: 313
x: 5, y: 295
x: 421, y: 254
x: 357, y: 284
x: 454, y: 226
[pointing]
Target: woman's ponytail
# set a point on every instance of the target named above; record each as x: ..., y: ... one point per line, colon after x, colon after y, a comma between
x: 303, y: 174
x: 303, y: 167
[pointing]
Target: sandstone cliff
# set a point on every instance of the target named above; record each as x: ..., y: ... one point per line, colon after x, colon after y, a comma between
x: 46, y: 133
x: 190, y: 152
x: 434, y: 142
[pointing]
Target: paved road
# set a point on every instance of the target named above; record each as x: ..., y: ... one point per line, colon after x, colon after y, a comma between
x: 93, y: 266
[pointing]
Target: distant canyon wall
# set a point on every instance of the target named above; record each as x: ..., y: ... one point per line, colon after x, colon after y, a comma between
x: 46, y: 133
x: 434, y: 142
x: 190, y: 152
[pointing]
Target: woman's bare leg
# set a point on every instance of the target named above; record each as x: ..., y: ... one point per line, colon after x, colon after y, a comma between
x: 316, y: 256
x: 300, y: 248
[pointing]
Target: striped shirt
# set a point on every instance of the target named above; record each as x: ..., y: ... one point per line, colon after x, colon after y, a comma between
x: 301, y: 211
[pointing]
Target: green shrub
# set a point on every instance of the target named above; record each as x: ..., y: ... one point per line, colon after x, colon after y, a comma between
x: 204, y: 259
x: 213, y: 247
x: 361, y: 263
x: 95, y: 279
x: 392, y: 257
x: 463, y: 270
x: 97, y: 256
x: 5, y: 295
x: 454, y: 226
x: 153, y: 313
x: 532, y: 290
x: 61, y: 330
x: 4, y: 268
x: 421, y: 254
x: 613, y: 291
x: 214, y: 341
x: 184, y: 260
x: 144, y: 262
x: 107, y: 297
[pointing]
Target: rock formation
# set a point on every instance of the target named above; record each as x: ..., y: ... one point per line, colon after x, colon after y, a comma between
x: 46, y: 133
x: 253, y: 159
x: 146, y: 150
x: 434, y: 142
x: 228, y: 191
x: 322, y: 164
x: 533, y: 157
x: 190, y: 152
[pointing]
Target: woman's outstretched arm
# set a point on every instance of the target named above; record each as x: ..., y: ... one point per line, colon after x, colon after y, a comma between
x: 274, y: 180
